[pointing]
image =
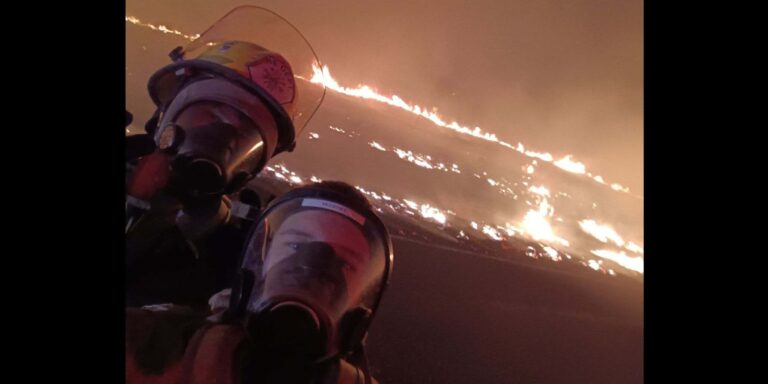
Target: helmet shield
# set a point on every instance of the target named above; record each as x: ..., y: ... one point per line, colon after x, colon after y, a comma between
x: 319, y: 252
x: 260, y: 51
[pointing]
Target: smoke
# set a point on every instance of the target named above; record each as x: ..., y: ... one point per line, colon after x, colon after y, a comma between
x: 563, y: 77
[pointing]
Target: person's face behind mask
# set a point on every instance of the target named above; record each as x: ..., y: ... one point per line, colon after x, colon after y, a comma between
x: 317, y: 266
x: 349, y: 245
x: 219, y: 145
x: 239, y: 151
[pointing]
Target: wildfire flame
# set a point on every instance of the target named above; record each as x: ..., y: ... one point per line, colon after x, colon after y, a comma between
x: 160, y: 28
x: 536, y: 225
x: 429, y: 212
x: 633, y: 263
x: 605, y: 233
x: 423, y: 161
x: 426, y: 211
x: 619, y: 187
x: 415, y: 159
x: 492, y: 233
x: 542, y: 191
x: 634, y: 248
x: 377, y: 146
x: 511, y: 229
x: 601, y: 232
x: 552, y: 253
x: 571, y: 166
x: 323, y: 76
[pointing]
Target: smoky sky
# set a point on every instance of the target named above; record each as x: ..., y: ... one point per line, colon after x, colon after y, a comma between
x: 564, y: 77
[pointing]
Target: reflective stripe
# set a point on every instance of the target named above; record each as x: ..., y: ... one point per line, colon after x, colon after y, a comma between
x: 137, y: 202
x: 331, y: 206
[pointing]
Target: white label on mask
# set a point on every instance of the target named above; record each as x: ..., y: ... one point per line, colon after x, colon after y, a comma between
x: 331, y: 206
x: 240, y: 210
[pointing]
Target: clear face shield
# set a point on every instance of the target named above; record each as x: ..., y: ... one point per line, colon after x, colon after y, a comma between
x: 316, y: 271
x: 231, y: 100
x: 215, y: 147
x: 261, y: 52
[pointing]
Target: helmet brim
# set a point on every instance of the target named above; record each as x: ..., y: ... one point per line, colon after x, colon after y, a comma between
x: 166, y: 83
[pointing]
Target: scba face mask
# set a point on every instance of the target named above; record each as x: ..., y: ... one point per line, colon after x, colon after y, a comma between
x: 313, y: 274
x: 219, y: 135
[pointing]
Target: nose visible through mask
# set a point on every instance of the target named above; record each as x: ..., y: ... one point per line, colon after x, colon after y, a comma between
x: 209, y: 158
x: 302, y: 301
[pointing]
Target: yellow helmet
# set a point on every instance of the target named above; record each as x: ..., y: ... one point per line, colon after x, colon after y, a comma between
x: 250, y: 47
x: 263, y: 73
